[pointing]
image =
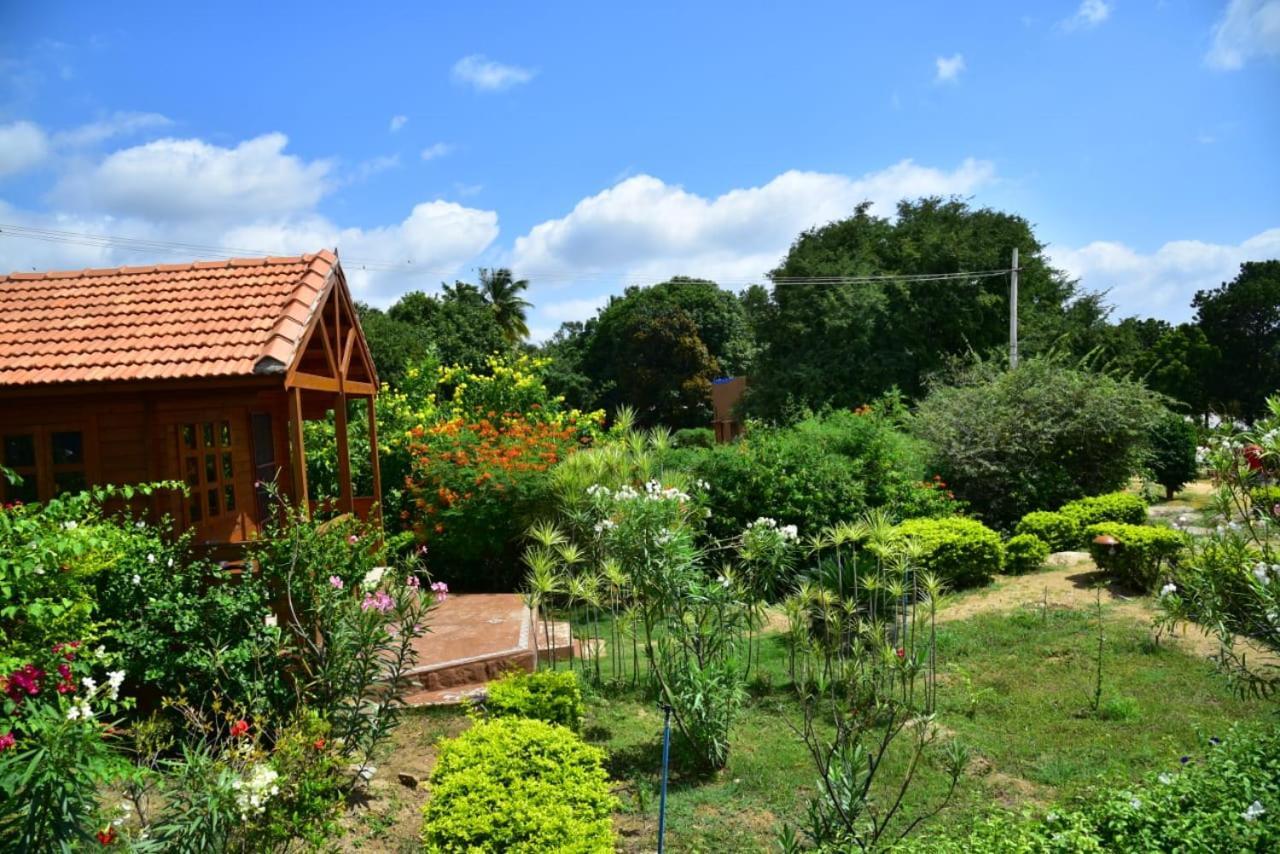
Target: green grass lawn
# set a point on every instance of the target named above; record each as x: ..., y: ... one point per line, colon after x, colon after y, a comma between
x: 1016, y: 690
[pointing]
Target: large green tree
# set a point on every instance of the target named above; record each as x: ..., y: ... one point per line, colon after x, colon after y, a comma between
x: 1241, y: 320
x: 844, y: 344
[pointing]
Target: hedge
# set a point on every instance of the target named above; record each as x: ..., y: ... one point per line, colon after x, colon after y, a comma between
x: 1024, y: 553
x: 1060, y: 531
x: 553, y: 696
x: 518, y: 785
x: 1112, y: 507
x: 962, y: 552
x: 1140, y: 554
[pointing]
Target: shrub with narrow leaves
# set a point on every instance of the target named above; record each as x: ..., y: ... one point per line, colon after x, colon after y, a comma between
x: 518, y: 785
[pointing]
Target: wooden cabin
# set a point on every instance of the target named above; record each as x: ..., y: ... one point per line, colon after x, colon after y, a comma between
x: 200, y: 372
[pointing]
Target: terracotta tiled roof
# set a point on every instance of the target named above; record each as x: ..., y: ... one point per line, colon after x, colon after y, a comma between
x: 205, y: 319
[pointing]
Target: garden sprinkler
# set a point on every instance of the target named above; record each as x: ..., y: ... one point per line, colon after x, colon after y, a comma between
x: 666, y: 757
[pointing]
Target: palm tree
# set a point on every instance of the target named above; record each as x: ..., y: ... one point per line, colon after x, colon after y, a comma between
x: 502, y: 292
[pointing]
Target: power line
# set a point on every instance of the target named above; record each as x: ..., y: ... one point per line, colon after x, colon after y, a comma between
x: 407, y: 267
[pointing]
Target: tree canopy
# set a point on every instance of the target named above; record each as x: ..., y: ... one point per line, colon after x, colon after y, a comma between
x: 1241, y: 321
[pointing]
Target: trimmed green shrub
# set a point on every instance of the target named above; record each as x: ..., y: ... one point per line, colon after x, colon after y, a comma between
x: 1058, y: 530
x: 1225, y: 800
x: 1142, y: 551
x: 512, y: 784
x: 1024, y: 553
x: 962, y: 552
x: 693, y: 437
x: 1113, y: 507
x: 1173, y: 453
x: 547, y: 695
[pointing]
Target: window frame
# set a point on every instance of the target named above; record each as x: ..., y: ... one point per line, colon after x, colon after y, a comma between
x: 46, y: 469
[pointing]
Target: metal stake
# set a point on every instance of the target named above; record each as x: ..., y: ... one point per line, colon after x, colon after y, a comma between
x: 666, y: 758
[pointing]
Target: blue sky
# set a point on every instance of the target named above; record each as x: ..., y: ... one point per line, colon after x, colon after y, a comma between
x: 595, y: 145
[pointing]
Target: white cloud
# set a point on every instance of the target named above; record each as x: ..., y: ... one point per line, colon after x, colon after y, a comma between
x: 368, y: 168
x: 1161, y: 283
x: 439, y: 149
x: 23, y: 145
x: 1248, y: 29
x: 1090, y: 14
x: 118, y: 124
x: 485, y: 75
x: 643, y: 229
x: 190, y: 178
x: 948, y: 68
x: 398, y: 122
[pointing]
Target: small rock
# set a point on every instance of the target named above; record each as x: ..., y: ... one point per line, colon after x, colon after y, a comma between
x: 407, y: 780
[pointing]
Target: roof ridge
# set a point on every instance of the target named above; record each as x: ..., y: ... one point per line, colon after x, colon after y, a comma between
x: 307, y: 258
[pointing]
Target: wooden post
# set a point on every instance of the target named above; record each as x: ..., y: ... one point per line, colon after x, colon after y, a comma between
x: 299, y: 456
x: 345, y: 502
x: 373, y: 451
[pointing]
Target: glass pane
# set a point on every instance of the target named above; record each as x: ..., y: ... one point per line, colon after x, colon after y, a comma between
x: 68, y: 481
x: 228, y: 473
x: 225, y: 434
x: 211, y: 468
x: 193, y: 471
x: 229, y: 498
x: 189, y: 436
x: 213, y: 502
x: 194, y: 508
x: 68, y: 448
x: 208, y: 434
x: 20, y: 450
x: 24, y: 492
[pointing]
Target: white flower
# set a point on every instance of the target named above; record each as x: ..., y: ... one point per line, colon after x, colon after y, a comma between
x: 171, y: 563
x: 270, y: 620
x: 100, y: 652
x: 137, y: 579
x: 789, y: 532
x: 151, y: 558
x: 724, y: 582
x: 1135, y: 803
x: 1168, y: 589
x: 114, y: 680
x: 1260, y: 573
x: 90, y: 684
x: 1254, y: 811
x: 604, y: 525
x: 71, y: 524
x: 373, y: 577
x: 73, y: 713
x: 1165, y: 778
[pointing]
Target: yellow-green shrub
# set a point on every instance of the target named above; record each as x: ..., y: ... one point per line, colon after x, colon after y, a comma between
x: 962, y: 552
x: 1112, y: 507
x: 553, y: 696
x: 518, y: 785
x: 1139, y: 554
x: 1060, y: 531
x: 1024, y: 553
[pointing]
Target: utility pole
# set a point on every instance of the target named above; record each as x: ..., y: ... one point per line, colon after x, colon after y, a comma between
x: 1013, y: 311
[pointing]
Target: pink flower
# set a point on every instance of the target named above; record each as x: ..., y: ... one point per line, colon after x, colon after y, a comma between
x: 7, y: 741
x: 440, y: 589
x: 353, y: 539
x: 336, y: 582
x: 413, y: 582
x: 25, y: 680
x: 380, y: 600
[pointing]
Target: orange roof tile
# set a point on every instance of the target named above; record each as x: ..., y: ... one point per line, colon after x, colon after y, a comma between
x: 239, y: 317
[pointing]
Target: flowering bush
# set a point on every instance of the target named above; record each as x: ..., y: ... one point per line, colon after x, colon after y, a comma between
x: 518, y: 785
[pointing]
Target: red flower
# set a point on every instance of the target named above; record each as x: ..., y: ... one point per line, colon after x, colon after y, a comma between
x: 7, y: 741
x: 239, y: 728
x: 107, y: 835
x: 902, y: 653
x: 318, y: 744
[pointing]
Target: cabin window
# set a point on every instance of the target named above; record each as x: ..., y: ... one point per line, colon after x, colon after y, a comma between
x: 208, y: 468
x: 49, y: 461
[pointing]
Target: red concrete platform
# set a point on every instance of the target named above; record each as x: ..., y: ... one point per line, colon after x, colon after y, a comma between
x: 476, y: 637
